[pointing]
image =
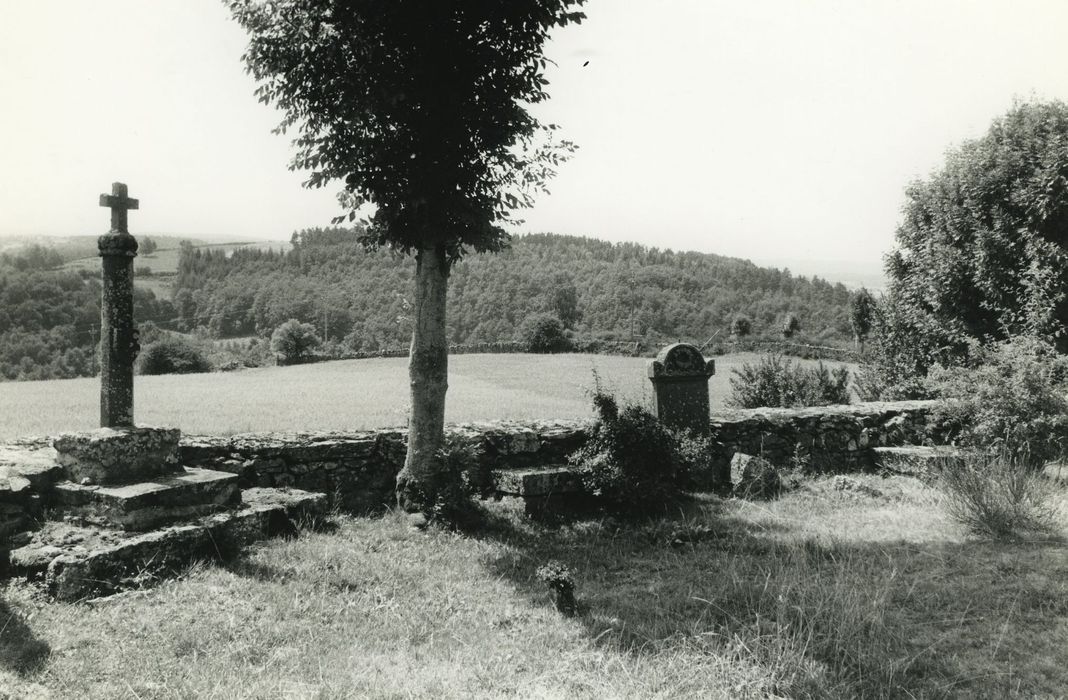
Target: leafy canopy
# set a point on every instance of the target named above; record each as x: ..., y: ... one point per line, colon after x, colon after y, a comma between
x: 981, y: 251
x: 420, y: 107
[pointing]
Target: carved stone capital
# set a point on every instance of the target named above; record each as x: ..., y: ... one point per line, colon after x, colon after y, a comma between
x: 122, y: 244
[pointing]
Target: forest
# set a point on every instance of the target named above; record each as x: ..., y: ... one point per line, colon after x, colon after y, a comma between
x: 360, y: 298
x: 50, y: 318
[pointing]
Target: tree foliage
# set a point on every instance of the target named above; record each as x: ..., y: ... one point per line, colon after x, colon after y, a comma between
x: 366, y: 294
x: 293, y: 342
x: 861, y: 314
x: 791, y: 324
x: 418, y: 107
x: 741, y: 326
x: 543, y: 333
x: 981, y: 250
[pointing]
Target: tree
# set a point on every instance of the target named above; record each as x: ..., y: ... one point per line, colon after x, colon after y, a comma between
x: 981, y: 251
x: 564, y: 302
x: 741, y: 326
x: 543, y: 333
x: 293, y: 342
x: 861, y: 315
x: 148, y: 246
x: 420, y: 107
x: 790, y: 324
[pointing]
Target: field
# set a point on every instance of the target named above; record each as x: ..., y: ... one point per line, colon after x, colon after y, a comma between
x: 822, y: 593
x: 342, y: 395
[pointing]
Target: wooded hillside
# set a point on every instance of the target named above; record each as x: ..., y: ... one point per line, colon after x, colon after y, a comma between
x: 603, y: 290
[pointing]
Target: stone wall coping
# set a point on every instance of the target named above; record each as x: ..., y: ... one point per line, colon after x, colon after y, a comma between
x: 870, y: 408
x: 355, y: 436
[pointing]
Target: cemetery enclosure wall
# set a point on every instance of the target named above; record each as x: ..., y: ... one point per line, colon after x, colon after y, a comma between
x: 358, y: 469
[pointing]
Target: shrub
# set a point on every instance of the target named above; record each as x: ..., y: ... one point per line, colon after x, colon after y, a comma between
x: 293, y: 342
x: 776, y: 382
x: 629, y: 462
x: 543, y: 333
x: 791, y: 324
x: 999, y: 495
x: 741, y: 326
x: 173, y: 355
x: 1012, y: 397
x: 561, y: 585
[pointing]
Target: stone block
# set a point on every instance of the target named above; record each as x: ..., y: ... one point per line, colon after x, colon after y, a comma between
x: 37, y: 464
x: 118, y: 455
x: 754, y: 477
x: 82, y: 572
x: 542, y: 481
x: 144, y: 505
x: 915, y: 460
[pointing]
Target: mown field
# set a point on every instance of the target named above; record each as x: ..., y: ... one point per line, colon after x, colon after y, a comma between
x: 824, y: 593
x: 343, y: 395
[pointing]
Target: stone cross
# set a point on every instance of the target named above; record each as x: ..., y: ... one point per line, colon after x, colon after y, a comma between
x: 118, y: 337
x: 680, y: 386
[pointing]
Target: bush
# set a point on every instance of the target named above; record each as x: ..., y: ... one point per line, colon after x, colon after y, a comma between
x: 173, y: 355
x: 776, y: 382
x: 791, y: 324
x: 741, y: 326
x: 543, y: 333
x: 1012, y: 397
x: 998, y: 495
x: 293, y: 342
x: 630, y: 462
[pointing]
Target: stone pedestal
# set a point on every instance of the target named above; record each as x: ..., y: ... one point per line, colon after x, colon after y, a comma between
x: 131, y: 478
x: 118, y: 455
x: 680, y: 387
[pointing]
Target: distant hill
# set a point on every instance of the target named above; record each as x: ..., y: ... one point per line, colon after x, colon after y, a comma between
x: 608, y: 291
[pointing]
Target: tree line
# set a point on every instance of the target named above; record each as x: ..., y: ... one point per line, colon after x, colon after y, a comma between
x: 360, y: 298
x: 50, y: 318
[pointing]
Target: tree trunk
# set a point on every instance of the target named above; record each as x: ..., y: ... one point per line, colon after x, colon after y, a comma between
x: 428, y: 365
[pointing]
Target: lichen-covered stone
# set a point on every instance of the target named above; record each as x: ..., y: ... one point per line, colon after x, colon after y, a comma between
x: 148, y: 504
x: 118, y: 455
x: 538, y: 482
x: 80, y: 562
x: 754, y: 477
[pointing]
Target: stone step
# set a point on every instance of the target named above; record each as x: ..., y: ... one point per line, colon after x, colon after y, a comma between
x: 187, y: 493
x: 540, y: 481
x: 82, y: 561
x: 915, y: 459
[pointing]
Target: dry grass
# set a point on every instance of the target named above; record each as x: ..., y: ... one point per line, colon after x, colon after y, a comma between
x: 824, y: 593
x: 343, y: 395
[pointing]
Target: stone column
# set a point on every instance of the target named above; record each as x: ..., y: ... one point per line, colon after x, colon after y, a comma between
x: 680, y: 387
x: 118, y: 337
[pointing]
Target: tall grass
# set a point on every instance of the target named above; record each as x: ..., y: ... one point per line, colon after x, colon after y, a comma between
x: 1000, y: 495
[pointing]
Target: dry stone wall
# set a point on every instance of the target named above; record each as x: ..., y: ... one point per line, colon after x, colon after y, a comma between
x: 358, y: 469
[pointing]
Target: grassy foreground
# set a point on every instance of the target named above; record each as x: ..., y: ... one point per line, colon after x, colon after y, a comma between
x: 342, y: 395
x: 823, y: 593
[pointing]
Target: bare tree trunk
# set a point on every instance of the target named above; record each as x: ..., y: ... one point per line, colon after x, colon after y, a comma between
x: 428, y: 365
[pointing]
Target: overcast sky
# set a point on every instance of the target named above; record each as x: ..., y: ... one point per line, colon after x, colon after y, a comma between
x: 767, y: 129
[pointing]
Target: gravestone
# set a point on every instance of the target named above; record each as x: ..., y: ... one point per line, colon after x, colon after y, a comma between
x: 680, y: 387
x: 126, y: 474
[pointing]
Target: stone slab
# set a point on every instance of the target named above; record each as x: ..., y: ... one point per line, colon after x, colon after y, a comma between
x: 187, y: 493
x: 36, y: 464
x: 118, y: 455
x: 543, y: 481
x: 103, y: 562
x: 914, y: 459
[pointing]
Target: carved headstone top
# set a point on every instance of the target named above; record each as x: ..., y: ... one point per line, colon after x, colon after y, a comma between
x: 681, y: 360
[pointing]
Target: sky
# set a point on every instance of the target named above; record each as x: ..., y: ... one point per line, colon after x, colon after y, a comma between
x: 783, y: 131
